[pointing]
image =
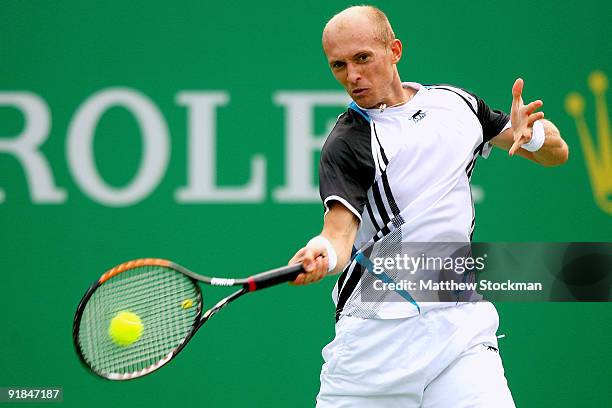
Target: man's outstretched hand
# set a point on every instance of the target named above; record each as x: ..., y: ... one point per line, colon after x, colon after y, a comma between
x: 522, y: 116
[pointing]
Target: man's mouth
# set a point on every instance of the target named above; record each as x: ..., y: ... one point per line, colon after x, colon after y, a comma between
x: 358, y: 91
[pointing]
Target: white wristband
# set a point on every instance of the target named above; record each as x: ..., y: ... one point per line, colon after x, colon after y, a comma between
x: 537, y: 137
x: 332, y: 258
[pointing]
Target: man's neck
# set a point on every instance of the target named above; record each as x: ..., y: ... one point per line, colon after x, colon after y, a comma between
x: 402, y: 96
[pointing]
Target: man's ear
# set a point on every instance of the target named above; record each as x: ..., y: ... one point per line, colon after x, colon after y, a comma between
x: 396, y: 51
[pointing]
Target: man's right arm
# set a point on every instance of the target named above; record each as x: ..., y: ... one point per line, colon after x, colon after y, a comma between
x: 339, y: 228
x: 346, y: 171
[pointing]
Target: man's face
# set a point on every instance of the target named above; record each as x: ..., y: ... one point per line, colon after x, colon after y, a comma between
x: 362, y: 63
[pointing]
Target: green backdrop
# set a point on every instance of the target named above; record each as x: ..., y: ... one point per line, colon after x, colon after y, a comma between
x: 265, y: 349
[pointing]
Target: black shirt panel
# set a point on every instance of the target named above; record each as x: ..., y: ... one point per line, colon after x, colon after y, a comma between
x: 347, y: 169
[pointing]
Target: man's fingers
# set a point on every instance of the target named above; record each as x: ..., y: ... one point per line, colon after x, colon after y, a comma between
x: 305, y: 256
x: 533, y: 106
x: 535, y: 116
x: 517, y: 145
x: 522, y: 136
x: 308, y: 260
x: 297, y: 257
x: 299, y: 280
x: 318, y: 272
x: 517, y: 91
x: 316, y: 268
x: 310, y: 278
x: 320, y: 275
x: 322, y: 264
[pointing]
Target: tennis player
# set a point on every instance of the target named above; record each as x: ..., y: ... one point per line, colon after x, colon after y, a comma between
x: 398, y: 164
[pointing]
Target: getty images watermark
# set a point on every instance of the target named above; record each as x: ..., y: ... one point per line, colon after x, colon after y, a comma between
x: 426, y: 264
x: 442, y: 272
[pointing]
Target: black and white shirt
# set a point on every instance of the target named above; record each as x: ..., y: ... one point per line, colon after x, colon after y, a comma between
x: 405, y: 173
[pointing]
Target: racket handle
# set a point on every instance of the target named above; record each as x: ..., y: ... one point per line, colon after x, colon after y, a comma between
x: 273, y: 277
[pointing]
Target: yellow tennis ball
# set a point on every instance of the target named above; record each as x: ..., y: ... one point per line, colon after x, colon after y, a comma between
x: 125, y: 328
x: 187, y: 303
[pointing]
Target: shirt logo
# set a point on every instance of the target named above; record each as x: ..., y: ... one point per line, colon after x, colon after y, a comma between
x: 491, y: 348
x: 418, y: 116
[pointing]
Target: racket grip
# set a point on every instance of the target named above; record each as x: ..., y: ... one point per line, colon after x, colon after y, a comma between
x: 273, y: 277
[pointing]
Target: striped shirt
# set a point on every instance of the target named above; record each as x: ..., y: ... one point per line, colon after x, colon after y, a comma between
x: 405, y: 173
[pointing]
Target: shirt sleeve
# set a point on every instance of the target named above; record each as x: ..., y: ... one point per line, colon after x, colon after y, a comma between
x: 346, y: 169
x: 493, y: 121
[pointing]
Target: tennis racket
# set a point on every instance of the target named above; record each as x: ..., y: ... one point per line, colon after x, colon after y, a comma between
x: 164, y: 301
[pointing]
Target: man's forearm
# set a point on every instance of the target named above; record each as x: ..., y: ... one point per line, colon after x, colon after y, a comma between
x: 340, y: 228
x: 554, y: 151
x: 343, y: 251
x: 342, y: 240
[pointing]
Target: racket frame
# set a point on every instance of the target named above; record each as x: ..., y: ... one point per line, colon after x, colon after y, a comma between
x: 250, y: 284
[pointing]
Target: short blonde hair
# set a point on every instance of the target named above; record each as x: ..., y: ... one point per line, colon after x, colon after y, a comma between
x: 381, y: 26
x: 383, y: 29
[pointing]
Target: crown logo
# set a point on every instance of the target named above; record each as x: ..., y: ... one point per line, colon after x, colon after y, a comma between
x: 598, y: 157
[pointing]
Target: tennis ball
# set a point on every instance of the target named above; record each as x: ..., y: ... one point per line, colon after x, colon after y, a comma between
x: 187, y: 303
x: 125, y: 328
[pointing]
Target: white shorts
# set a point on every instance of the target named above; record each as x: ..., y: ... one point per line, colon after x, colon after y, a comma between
x: 446, y: 358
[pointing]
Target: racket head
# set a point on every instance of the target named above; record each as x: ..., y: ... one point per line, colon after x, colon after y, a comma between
x: 168, y: 303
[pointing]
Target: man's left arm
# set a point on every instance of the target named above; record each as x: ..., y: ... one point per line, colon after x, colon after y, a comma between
x: 552, y: 151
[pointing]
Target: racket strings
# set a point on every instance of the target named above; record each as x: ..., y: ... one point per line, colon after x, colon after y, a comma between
x: 155, y: 326
x: 156, y: 295
x: 138, y: 357
x: 160, y: 328
x: 143, y: 299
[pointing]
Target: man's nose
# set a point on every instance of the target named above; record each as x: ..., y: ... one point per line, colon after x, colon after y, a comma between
x: 353, y: 73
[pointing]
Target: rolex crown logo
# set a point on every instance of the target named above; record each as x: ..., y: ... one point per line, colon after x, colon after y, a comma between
x: 598, y: 156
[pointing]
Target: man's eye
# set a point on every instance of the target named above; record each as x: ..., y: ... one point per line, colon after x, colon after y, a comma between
x: 337, y: 65
x: 362, y: 58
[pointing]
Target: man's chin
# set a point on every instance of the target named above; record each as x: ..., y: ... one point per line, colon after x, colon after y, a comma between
x: 366, y: 103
